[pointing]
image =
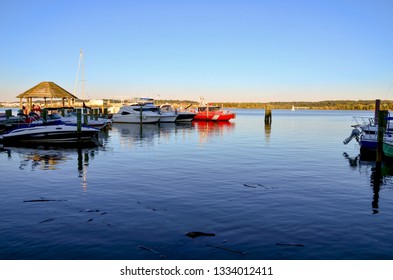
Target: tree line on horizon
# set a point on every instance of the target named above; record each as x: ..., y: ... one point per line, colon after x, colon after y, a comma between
x: 315, y: 105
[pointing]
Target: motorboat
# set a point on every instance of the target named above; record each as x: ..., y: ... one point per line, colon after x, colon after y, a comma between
x: 71, y: 118
x: 49, y: 134
x: 209, y: 112
x: 185, y: 116
x: 24, y: 121
x: 168, y: 114
x: 136, y: 113
x: 365, y: 131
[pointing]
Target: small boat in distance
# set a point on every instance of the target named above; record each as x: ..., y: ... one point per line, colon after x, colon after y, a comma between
x: 208, y: 112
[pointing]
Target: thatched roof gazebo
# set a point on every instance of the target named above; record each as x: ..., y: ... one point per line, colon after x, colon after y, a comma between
x: 47, y: 90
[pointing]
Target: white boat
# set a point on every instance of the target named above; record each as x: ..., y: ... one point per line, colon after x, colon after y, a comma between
x: 50, y: 134
x: 167, y: 113
x: 71, y: 118
x: 180, y: 116
x: 136, y: 113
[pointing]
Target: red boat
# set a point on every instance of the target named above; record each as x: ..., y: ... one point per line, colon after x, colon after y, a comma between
x: 212, y: 113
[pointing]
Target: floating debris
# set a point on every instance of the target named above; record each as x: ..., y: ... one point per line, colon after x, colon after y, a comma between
x: 288, y: 244
x: 45, y: 221
x: 195, y: 234
x: 151, y: 250
x: 249, y: 186
x: 103, y: 213
x: 89, y: 220
x: 43, y: 200
x: 259, y: 185
x: 90, y: 210
x: 227, y: 249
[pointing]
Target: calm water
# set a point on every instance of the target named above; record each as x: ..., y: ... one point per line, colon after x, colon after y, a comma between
x: 289, y: 191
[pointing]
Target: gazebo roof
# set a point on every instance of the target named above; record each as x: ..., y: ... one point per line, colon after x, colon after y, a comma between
x: 46, y: 90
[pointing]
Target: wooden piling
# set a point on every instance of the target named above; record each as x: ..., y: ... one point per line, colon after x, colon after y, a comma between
x: 85, y: 117
x: 268, y: 115
x: 44, y: 114
x: 140, y: 115
x: 382, y: 115
x: 78, y: 121
x: 8, y: 113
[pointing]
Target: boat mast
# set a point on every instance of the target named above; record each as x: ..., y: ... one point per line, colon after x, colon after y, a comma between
x: 81, y: 63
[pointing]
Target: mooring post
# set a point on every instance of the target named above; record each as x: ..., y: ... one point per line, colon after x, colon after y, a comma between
x: 78, y: 121
x: 44, y: 114
x: 382, y: 115
x: 8, y: 113
x: 96, y: 113
x: 85, y: 117
x: 140, y: 115
x: 268, y: 114
x: 377, y: 108
x: 91, y: 111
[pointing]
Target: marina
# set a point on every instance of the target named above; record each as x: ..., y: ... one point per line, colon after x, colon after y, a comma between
x: 241, y: 190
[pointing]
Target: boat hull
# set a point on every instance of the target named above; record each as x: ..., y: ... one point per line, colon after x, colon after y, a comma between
x: 214, y: 116
x: 53, y: 134
x: 185, y: 117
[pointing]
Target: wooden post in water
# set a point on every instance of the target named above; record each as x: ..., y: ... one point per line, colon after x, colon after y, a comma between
x: 8, y: 113
x: 78, y: 121
x: 85, y: 117
x: 377, y: 107
x: 91, y: 111
x: 140, y: 115
x: 268, y: 114
x: 44, y: 114
x: 96, y: 113
x: 382, y: 114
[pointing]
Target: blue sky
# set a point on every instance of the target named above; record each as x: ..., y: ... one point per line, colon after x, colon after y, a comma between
x: 241, y: 51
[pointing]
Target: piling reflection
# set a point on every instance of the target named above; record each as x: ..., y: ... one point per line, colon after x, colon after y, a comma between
x: 52, y: 159
x: 381, y: 175
x: 268, y: 131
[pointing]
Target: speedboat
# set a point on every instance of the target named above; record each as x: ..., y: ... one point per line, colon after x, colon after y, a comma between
x: 24, y: 121
x: 71, y: 118
x: 50, y: 134
x: 208, y: 112
x: 136, y: 113
x: 167, y: 114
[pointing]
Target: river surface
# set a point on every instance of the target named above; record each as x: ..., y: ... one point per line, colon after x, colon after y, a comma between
x: 291, y: 190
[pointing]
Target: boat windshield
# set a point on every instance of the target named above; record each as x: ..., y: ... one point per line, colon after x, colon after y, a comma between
x: 211, y: 108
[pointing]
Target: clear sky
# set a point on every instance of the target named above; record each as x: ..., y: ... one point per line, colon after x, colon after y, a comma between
x: 241, y: 51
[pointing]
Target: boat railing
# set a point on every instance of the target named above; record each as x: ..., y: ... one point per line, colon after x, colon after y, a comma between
x: 364, y: 121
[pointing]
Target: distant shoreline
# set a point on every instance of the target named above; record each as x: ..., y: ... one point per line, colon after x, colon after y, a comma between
x: 316, y: 105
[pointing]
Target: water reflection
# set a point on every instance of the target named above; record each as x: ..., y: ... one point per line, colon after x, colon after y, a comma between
x: 37, y: 158
x: 207, y: 130
x: 268, y: 130
x: 131, y: 134
x: 381, y: 175
x: 136, y: 134
x: 51, y: 159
